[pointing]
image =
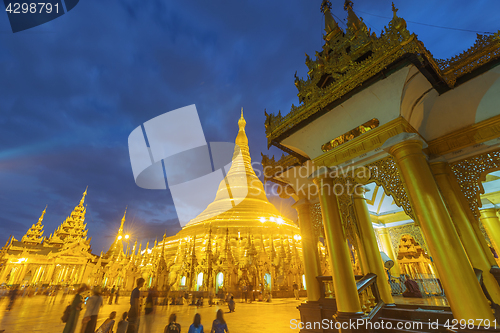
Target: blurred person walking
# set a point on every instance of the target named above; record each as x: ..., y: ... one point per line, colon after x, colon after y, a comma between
x: 89, y: 320
x: 111, y: 295
x: 135, y: 307
x: 117, y: 295
x: 74, y: 310
x: 296, y: 290
x: 12, y: 297
x: 149, y: 309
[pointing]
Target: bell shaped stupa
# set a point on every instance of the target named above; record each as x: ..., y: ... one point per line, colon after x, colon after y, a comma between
x: 239, y: 239
x: 241, y: 191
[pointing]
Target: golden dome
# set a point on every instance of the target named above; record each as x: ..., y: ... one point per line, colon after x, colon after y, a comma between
x: 240, y: 200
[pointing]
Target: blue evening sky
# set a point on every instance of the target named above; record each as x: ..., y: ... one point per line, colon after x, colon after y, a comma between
x: 72, y: 90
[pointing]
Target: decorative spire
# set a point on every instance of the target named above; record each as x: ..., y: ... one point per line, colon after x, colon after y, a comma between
x: 83, y: 197
x: 348, y: 4
x: 353, y: 21
x: 241, y: 138
x: 120, y: 231
x: 41, y: 217
x: 116, y: 249
x: 34, y: 234
x: 331, y: 26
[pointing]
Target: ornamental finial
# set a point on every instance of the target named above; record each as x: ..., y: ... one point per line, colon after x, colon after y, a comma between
x: 242, y: 122
x: 84, y: 194
x: 348, y: 4
x: 326, y: 5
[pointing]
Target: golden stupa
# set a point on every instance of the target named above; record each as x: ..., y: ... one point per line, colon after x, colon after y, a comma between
x: 249, y: 243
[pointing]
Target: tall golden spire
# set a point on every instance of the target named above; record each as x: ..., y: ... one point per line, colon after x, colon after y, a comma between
x: 240, y: 199
x: 116, y: 249
x: 83, y: 197
x: 331, y: 26
x: 120, y: 231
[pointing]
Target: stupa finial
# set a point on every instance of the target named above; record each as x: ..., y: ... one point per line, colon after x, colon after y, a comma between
x: 41, y: 217
x: 83, y: 197
x: 242, y: 122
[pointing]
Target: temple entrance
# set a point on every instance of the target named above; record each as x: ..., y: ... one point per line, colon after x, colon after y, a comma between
x: 219, y: 281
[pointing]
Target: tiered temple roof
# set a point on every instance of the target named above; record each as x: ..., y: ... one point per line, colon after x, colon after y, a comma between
x: 34, y: 235
x: 73, y: 229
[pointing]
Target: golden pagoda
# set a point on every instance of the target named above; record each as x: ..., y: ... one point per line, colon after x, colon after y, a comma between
x: 250, y: 243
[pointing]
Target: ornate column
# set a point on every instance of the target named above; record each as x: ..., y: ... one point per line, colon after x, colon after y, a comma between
x: 489, y: 219
x: 309, y: 250
x: 385, y: 239
x: 367, y: 236
x: 346, y: 293
x: 462, y: 289
x: 451, y: 193
x: 365, y: 267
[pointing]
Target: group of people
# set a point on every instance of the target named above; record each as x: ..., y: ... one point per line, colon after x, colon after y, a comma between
x: 89, y: 321
x: 130, y: 320
x: 219, y: 325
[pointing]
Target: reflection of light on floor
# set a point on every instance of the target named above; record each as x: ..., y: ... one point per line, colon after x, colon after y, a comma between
x: 435, y: 300
x: 35, y: 314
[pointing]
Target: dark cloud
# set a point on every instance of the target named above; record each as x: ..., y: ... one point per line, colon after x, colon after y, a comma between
x: 73, y: 89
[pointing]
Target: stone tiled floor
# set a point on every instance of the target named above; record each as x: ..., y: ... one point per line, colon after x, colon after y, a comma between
x: 40, y: 314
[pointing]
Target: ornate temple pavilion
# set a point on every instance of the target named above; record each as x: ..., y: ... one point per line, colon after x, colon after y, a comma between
x: 391, y: 150
x: 63, y: 258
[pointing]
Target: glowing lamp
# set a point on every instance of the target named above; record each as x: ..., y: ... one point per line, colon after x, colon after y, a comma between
x: 279, y: 220
x: 127, y: 236
x: 119, y: 237
x: 262, y: 219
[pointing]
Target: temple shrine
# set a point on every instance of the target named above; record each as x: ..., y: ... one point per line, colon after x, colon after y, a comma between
x: 394, y: 156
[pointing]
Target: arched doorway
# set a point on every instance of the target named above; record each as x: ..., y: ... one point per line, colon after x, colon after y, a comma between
x: 199, y: 281
x: 219, y: 281
x: 267, y: 282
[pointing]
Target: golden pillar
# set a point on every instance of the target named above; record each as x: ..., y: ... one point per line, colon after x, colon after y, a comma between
x: 346, y: 292
x: 450, y: 190
x: 362, y: 256
x: 489, y: 219
x: 385, y: 239
x: 309, y: 250
x: 367, y: 235
x: 460, y: 284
